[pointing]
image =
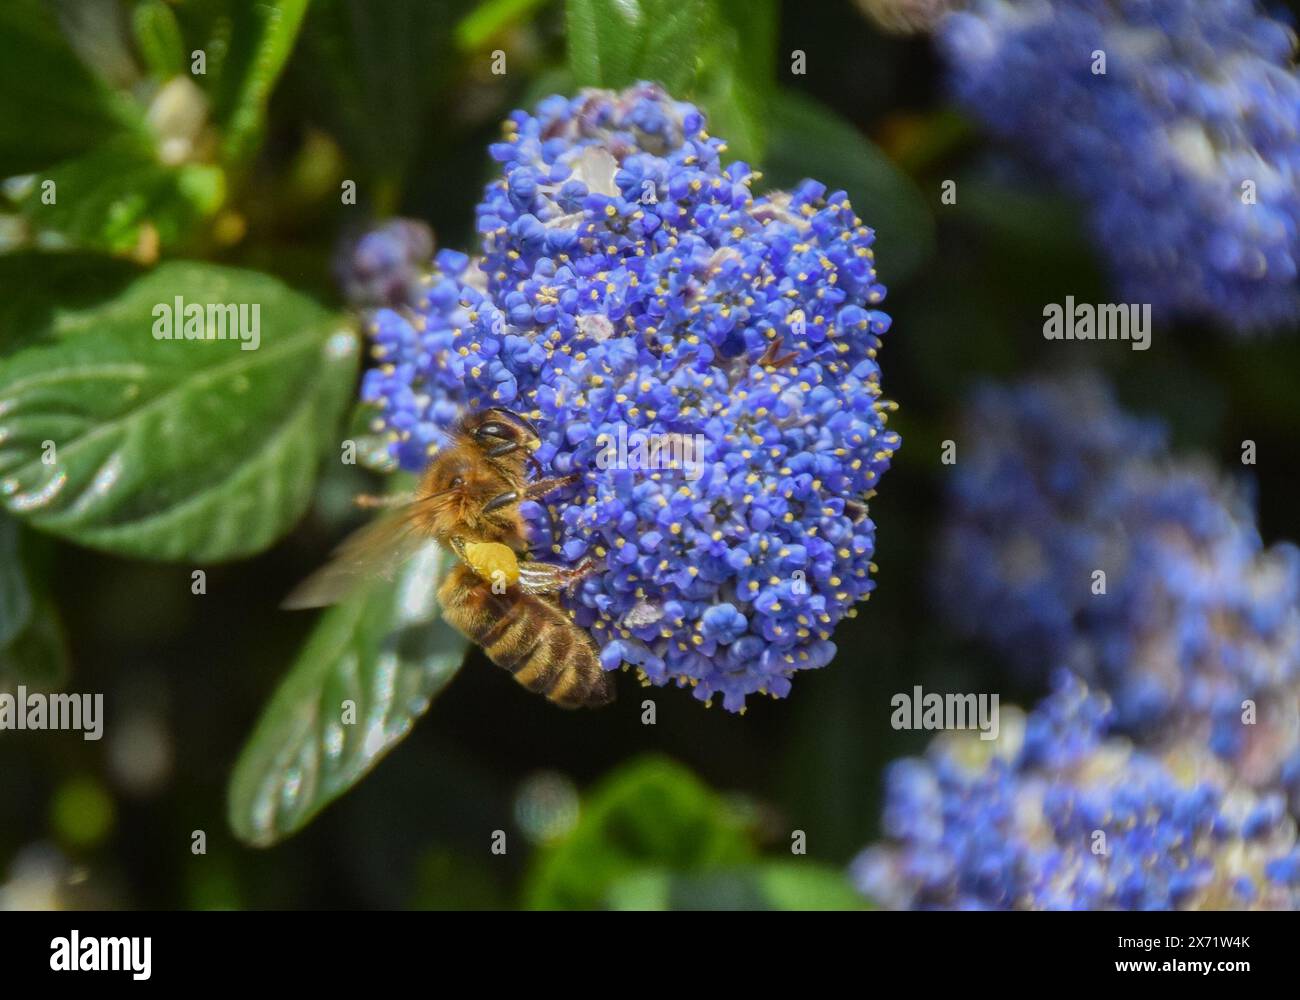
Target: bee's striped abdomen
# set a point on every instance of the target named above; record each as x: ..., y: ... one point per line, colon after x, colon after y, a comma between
x: 528, y: 636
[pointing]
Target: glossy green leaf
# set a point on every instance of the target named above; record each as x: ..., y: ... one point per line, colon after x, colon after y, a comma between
x: 769, y: 885
x: 810, y: 141
x: 613, y: 43
x: 51, y: 105
x: 174, y: 449
x: 15, y: 595
x: 387, y: 651
x: 652, y: 812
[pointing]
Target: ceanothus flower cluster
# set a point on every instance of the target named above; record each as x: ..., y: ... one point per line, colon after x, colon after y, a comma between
x: 384, y: 266
x: 1055, y: 815
x: 631, y: 287
x: 1185, y: 149
x: 1033, y: 483
x: 1074, y: 538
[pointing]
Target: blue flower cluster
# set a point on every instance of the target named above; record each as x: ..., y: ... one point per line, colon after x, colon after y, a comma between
x: 1055, y: 814
x: 1197, y: 631
x: 1186, y: 150
x: 631, y: 288
x: 1033, y: 480
x: 384, y: 266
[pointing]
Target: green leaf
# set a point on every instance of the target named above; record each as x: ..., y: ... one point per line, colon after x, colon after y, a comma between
x: 385, y: 649
x: 718, y: 53
x: 489, y: 20
x: 245, y: 47
x: 770, y: 885
x: 51, y: 281
x: 106, y: 198
x: 15, y: 595
x: 810, y: 141
x: 51, y: 105
x: 652, y: 812
x: 738, y: 75
x: 174, y: 449
x: 112, y: 191
x: 158, y: 37
x: 614, y: 43
x: 261, y: 36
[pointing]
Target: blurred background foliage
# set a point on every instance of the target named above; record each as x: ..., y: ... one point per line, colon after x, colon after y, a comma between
x: 225, y: 185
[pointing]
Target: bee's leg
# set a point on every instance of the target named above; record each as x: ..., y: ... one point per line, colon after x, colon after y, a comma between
x: 547, y: 578
x: 772, y: 356
x: 368, y: 501
x: 504, y: 500
x: 530, y: 492
x: 544, y: 486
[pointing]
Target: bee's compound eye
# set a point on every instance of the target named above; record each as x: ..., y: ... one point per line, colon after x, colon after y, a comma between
x: 494, y: 430
x: 457, y: 482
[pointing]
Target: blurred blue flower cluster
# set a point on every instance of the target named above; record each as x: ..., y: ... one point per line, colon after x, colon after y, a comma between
x: 1198, y: 628
x: 1185, y: 150
x: 1056, y: 814
x: 384, y: 266
x: 1077, y: 545
x: 632, y: 288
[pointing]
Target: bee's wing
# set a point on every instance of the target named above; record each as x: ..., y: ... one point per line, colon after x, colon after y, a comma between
x: 374, y: 550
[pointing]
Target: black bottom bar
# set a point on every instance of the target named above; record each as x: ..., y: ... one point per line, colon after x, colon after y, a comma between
x: 335, y: 949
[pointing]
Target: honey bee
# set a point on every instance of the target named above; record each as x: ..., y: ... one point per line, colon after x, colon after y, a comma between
x: 468, y: 501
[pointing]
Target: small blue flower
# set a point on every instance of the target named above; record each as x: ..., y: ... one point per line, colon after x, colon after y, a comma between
x: 634, y: 294
x: 723, y: 623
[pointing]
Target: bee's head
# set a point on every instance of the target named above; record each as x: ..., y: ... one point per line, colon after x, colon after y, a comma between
x: 448, y: 474
x: 458, y: 485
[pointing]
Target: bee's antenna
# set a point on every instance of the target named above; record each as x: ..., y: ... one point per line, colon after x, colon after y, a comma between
x: 368, y: 501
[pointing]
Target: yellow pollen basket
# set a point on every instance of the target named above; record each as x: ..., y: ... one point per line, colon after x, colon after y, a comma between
x: 487, y: 559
